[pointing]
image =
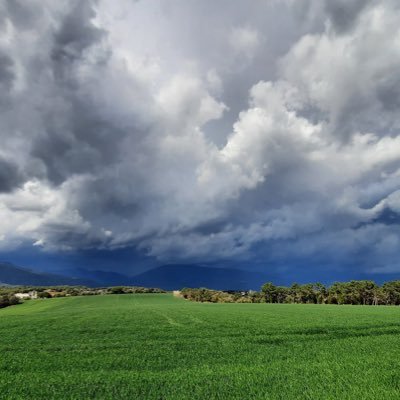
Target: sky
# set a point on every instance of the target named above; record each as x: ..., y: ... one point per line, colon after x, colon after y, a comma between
x: 261, y: 135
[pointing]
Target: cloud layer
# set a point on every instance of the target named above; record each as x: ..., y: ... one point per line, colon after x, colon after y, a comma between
x: 266, y: 132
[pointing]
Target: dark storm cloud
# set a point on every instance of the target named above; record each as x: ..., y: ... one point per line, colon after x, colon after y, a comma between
x: 22, y: 14
x: 6, y: 71
x: 388, y: 217
x: 344, y: 13
x: 10, y: 176
x: 76, y: 34
x: 86, y: 141
x: 77, y: 138
x: 271, y: 135
x: 388, y: 92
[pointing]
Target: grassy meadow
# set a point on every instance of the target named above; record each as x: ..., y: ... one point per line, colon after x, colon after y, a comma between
x: 155, y: 346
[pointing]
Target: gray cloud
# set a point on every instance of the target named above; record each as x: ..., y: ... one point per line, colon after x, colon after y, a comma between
x: 10, y: 176
x: 6, y: 72
x: 343, y: 14
x: 75, y: 35
x: 23, y: 15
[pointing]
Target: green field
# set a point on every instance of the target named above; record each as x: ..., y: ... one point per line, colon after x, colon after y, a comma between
x: 160, y: 347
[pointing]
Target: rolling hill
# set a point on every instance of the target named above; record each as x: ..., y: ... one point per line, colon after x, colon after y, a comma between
x: 177, y: 276
x: 169, y: 277
x: 11, y: 274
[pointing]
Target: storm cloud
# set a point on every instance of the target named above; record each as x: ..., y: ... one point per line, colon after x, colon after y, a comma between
x: 265, y: 133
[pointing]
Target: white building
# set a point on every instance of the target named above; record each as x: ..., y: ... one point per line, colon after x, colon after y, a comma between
x: 24, y: 296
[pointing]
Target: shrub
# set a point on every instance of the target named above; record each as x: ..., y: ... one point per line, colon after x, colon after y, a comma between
x: 44, y: 295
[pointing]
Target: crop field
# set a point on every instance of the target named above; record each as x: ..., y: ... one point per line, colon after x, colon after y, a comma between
x: 161, y: 347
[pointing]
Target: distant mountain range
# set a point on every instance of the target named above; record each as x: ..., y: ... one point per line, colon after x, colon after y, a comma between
x: 171, y: 277
x: 177, y: 276
x: 11, y: 274
x: 168, y: 277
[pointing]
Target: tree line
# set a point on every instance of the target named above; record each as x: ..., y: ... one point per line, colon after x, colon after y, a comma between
x: 218, y: 296
x: 364, y: 292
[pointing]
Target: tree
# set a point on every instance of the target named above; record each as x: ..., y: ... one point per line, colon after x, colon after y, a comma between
x: 117, y: 290
x: 321, y: 293
x: 269, y: 291
x: 391, y: 292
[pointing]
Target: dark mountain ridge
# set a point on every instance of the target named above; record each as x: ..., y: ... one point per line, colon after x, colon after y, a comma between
x: 168, y: 277
x: 177, y: 276
x: 11, y: 274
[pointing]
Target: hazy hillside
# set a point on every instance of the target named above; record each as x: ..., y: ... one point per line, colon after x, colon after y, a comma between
x: 14, y: 275
x: 177, y: 276
x: 169, y: 277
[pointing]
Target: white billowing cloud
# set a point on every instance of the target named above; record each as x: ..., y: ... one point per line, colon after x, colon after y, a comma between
x: 262, y: 136
x: 351, y: 78
x: 119, y: 128
x: 186, y: 104
x: 38, y: 212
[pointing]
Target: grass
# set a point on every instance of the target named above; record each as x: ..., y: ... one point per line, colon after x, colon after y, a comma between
x: 161, y: 347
